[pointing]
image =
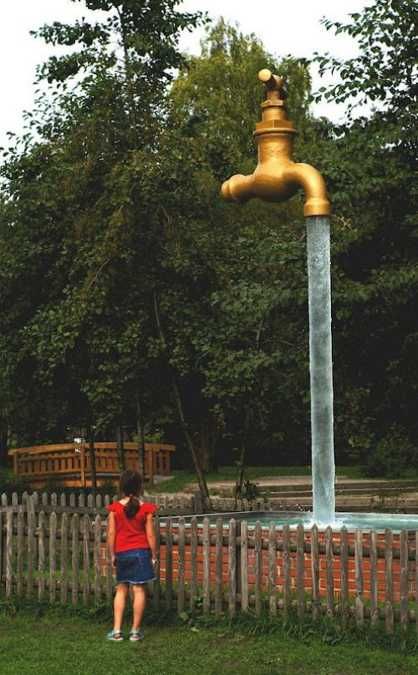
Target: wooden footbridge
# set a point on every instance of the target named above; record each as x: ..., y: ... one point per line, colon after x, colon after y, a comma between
x: 69, y: 464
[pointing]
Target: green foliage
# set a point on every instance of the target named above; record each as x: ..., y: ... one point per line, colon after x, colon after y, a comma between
x: 10, y: 483
x: 371, y: 168
x: 384, y: 70
x: 78, y: 239
x: 217, y: 96
x: 393, y: 454
x: 241, y: 256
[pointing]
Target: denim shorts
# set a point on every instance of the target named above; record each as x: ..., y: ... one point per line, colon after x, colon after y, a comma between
x: 134, y: 566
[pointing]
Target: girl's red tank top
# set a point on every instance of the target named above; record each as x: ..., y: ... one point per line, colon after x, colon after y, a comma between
x: 130, y: 532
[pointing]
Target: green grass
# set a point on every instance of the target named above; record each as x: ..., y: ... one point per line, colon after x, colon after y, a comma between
x: 184, y: 478
x: 56, y: 643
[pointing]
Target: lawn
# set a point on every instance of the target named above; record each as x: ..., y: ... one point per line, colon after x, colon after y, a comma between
x: 59, y: 644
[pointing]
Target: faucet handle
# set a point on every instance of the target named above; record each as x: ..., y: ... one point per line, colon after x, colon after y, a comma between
x: 273, y: 82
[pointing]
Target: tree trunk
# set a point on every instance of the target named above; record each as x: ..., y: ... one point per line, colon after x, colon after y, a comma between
x: 4, y: 458
x: 180, y: 410
x: 240, y: 478
x: 189, y: 442
x: 241, y: 462
x: 207, y: 442
x: 120, y: 448
x: 92, y: 455
x: 141, y: 438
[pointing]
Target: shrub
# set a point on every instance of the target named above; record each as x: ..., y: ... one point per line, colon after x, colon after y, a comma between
x: 10, y: 483
x: 393, y: 455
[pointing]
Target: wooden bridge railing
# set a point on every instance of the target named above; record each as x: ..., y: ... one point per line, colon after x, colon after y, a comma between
x: 69, y: 463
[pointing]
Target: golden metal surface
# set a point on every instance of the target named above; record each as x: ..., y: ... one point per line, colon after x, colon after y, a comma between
x: 277, y: 177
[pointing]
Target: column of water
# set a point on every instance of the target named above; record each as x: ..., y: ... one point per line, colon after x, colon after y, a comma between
x: 320, y: 349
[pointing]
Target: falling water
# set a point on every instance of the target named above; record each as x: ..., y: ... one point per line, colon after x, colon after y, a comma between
x: 320, y: 350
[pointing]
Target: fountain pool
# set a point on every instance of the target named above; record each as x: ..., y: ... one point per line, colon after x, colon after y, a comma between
x: 366, y: 522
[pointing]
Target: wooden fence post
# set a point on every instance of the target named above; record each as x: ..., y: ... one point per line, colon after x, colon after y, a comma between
x: 286, y: 572
x: 388, y: 582
x: 75, y: 557
x: 181, y: 565
x: 1, y: 551
x: 41, y: 556
x: 30, y: 546
x: 96, y: 558
x: 86, y: 559
x: 344, y: 575
x: 329, y: 556
x: 300, y: 570
x: 64, y: 559
x: 52, y: 556
x: 193, y: 561
x: 206, y: 566
x: 404, y: 580
x: 168, y: 564
x: 219, y: 567
x: 156, y: 587
x: 374, y: 590
x: 244, y: 566
x: 416, y: 581
x: 20, y: 552
x: 358, y: 547
x: 9, y: 554
x: 315, y: 572
x: 258, y: 567
x: 232, y: 569
x: 272, y: 570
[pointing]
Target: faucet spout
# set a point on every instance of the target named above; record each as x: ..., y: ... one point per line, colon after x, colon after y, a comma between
x: 238, y: 188
x: 313, y: 184
x: 277, y: 177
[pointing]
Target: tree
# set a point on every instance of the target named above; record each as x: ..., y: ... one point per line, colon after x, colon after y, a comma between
x: 384, y: 73
x: 372, y: 171
x: 69, y: 218
x: 217, y: 96
x: 232, y: 353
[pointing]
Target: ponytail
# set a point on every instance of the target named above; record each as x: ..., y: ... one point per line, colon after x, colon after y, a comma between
x: 130, y: 486
x: 132, y: 507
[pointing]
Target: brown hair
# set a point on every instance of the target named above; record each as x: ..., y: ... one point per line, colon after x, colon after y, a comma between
x: 130, y: 486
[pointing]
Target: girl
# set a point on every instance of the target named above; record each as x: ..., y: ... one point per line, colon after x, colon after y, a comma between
x: 132, y: 546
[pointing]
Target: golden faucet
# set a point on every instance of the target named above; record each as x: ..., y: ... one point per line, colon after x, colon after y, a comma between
x: 277, y: 177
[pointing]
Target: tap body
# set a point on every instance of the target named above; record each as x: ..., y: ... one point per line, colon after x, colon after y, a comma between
x: 277, y: 177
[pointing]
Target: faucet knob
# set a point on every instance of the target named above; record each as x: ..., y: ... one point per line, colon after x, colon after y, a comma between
x: 273, y: 82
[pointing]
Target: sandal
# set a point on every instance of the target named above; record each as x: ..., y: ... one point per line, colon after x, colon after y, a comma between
x: 114, y: 636
x: 136, y: 635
